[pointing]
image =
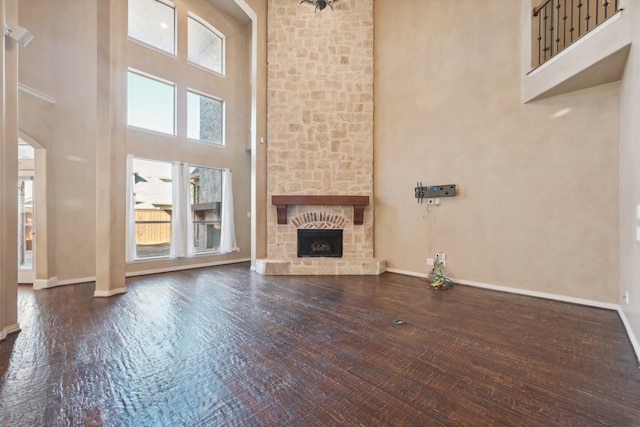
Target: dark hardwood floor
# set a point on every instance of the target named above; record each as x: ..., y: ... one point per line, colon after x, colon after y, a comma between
x: 224, y: 346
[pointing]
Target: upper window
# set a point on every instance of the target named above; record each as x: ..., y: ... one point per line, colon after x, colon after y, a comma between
x: 151, y: 103
x: 206, y: 118
x: 205, y: 44
x: 153, y: 22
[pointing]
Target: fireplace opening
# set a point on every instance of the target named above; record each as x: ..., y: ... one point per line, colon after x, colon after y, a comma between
x: 319, y: 243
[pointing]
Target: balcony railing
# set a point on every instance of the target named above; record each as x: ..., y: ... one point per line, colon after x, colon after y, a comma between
x: 559, y: 23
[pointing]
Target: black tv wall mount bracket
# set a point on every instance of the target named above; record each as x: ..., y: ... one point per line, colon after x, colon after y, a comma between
x: 434, y: 191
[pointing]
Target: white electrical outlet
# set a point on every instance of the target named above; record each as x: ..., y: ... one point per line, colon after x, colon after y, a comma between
x: 443, y: 256
x: 429, y: 261
x: 626, y: 297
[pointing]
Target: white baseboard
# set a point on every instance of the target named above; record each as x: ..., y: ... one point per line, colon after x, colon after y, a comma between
x: 45, y: 283
x: 110, y: 293
x: 544, y: 295
x: 53, y: 281
x: 405, y: 272
x: 9, y: 330
x: 77, y: 281
x: 185, y: 267
x: 632, y: 337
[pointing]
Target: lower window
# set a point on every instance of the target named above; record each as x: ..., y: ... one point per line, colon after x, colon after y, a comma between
x: 176, y: 210
x: 153, y: 208
x: 206, y: 204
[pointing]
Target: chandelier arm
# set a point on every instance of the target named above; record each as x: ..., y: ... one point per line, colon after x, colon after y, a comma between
x: 317, y: 4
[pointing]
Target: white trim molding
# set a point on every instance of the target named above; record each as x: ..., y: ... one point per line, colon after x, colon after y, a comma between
x: 110, y: 293
x: 406, y: 273
x: 185, y: 267
x: 33, y: 92
x: 536, y: 294
x: 508, y: 289
x: 51, y: 282
x: 632, y: 337
x: 76, y: 281
x: 9, y: 330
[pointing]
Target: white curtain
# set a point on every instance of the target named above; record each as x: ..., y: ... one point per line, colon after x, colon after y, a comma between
x: 228, y: 228
x: 180, y: 199
x: 131, y: 218
x: 186, y: 184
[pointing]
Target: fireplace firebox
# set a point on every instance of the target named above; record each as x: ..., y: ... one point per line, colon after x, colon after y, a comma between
x: 319, y: 243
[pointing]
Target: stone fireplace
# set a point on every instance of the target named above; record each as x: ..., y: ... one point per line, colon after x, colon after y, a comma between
x: 320, y: 135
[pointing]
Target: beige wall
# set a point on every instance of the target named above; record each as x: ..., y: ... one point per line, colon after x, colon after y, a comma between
x: 61, y: 62
x: 538, y: 187
x: 630, y: 178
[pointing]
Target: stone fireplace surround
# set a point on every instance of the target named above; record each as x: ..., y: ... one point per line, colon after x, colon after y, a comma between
x: 320, y: 219
x: 320, y: 135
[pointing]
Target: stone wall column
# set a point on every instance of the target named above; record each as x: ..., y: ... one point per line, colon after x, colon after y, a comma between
x: 320, y: 115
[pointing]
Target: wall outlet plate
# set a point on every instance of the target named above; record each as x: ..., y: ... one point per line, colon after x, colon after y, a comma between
x: 430, y: 261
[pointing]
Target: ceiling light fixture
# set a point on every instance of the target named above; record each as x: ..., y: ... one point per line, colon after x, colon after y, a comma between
x: 320, y: 4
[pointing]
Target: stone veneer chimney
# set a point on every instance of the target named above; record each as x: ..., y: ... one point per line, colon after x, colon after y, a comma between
x: 320, y: 128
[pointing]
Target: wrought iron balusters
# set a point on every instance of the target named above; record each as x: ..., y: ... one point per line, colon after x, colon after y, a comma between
x: 561, y: 22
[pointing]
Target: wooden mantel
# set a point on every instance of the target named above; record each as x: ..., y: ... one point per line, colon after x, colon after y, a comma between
x: 358, y: 203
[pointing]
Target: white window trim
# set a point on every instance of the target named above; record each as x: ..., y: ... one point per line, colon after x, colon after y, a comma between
x: 224, y: 118
x: 173, y: 54
x: 132, y: 256
x: 213, y: 251
x: 214, y: 30
x: 175, y: 103
x: 187, y: 241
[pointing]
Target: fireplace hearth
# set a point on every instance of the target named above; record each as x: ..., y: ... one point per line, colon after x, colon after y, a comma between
x: 319, y: 243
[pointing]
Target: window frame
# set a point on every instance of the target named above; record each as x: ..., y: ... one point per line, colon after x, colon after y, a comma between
x: 215, y: 250
x: 154, y: 257
x: 216, y: 32
x: 174, y: 104
x: 223, y: 138
x: 185, y: 245
x: 171, y: 5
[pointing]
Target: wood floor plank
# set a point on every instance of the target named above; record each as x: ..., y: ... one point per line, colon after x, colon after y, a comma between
x: 224, y: 346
